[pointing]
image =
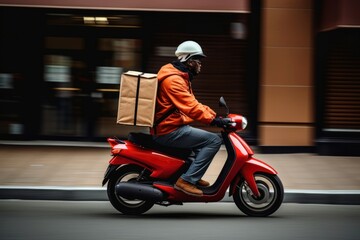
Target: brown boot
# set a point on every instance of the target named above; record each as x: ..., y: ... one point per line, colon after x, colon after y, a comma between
x: 187, y: 188
x: 203, y: 183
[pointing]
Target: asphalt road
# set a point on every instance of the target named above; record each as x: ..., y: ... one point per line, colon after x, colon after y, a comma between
x: 99, y: 220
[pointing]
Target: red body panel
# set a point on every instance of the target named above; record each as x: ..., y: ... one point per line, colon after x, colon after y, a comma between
x: 162, y: 166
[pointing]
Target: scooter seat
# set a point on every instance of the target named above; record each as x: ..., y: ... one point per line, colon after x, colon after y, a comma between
x: 146, y: 141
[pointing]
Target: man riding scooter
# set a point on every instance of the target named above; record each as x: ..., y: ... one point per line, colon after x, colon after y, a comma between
x: 177, y: 107
x: 145, y: 170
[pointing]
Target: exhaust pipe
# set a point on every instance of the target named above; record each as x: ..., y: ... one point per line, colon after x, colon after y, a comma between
x: 139, y: 191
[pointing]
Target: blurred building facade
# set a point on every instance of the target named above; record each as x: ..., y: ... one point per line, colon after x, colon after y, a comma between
x: 291, y: 67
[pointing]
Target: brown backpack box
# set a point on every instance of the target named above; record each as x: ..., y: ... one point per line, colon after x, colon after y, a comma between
x: 137, y: 99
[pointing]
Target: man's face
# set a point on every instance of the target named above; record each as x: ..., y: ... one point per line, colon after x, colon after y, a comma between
x: 195, y: 66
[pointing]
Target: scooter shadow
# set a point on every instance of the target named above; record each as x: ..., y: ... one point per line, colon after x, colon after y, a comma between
x: 181, y: 213
x: 176, y: 215
x: 184, y: 215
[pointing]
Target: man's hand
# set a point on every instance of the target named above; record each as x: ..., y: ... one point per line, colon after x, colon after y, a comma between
x: 220, y: 122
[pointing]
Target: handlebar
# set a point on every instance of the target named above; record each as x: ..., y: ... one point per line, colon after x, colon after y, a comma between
x: 229, y: 122
x: 234, y: 122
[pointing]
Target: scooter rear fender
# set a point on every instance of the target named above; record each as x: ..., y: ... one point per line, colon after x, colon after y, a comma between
x: 115, y: 163
x: 109, y: 172
x: 248, y: 170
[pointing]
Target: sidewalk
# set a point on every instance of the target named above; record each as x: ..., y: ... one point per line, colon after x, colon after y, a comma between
x: 43, y: 170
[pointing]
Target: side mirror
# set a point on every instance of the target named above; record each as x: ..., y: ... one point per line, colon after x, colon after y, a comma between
x: 222, y: 103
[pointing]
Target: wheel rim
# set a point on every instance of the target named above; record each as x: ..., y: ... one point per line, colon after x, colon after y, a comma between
x: 130, y: 203
x: 267, y: 190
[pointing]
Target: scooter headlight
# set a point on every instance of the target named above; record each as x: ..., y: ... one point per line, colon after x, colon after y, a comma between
x: 244, y: 122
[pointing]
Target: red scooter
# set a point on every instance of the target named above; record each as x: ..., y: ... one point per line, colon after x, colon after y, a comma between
x: 141, y: 173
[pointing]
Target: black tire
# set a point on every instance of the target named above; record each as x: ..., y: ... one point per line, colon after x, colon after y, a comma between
x: 123, y: 205
x: 270, y: 199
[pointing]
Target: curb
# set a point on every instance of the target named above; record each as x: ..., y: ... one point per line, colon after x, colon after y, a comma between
x: 348, y: 197
x: 53, y: 193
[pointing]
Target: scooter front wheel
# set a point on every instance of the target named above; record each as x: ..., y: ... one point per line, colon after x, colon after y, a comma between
x: 127, y: 173
x: 271, y: 195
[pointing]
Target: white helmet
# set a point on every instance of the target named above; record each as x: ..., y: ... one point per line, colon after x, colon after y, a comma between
x: 187, y: 50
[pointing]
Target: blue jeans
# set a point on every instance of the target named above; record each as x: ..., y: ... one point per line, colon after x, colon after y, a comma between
x: 204, y: 144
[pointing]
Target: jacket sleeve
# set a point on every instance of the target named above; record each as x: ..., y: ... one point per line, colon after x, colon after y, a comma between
x: 186, y: 102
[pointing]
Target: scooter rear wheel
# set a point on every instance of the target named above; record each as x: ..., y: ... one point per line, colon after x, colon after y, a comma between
x: 126, y: 206
x: 271, y: 196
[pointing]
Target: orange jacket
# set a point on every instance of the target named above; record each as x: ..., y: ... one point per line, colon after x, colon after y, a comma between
x: 174, y: 90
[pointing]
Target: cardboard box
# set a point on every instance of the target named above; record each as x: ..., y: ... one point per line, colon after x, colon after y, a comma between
x: 137, y: 99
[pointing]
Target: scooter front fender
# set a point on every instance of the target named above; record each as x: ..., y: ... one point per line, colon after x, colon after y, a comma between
x: 248, y: 171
